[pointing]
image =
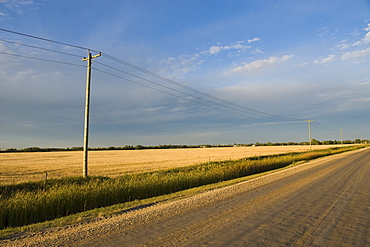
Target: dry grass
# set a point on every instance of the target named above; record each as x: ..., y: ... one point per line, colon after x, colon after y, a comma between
x: 20, y: 167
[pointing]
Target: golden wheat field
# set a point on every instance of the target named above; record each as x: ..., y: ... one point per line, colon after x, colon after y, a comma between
x: 20, y: 167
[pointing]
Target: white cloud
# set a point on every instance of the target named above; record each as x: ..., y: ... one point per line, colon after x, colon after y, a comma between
x: 286, y: 57
x: 255, y: 65
x: 236, y: 46
x: 253, y: 40
x: 354, y: 55
x: 183, y: 64
x: 367, y: 28
x: 357, y: 43
x: 186, y: 63
x: 343, y: 45
x: 325, y: 60
x: 365, y: 39
x: 2, y: 14
x: 15, y: 5
x: 257, y: 51
x: 216, y: 49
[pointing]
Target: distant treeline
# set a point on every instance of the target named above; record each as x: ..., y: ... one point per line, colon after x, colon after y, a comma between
x: 127, y: 147
x: 140, y: 147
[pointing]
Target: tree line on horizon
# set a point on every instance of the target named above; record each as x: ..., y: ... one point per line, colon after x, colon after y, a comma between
x: 170, y: 146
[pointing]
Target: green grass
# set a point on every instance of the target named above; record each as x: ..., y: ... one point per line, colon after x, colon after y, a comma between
x: 32, y: 202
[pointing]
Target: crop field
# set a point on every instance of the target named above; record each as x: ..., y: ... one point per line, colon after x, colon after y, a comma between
x: 33, y: 202
x: 21, y: 167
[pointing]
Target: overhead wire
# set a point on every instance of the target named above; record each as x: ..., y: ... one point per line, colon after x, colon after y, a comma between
x: 153, y: 88
x: 315, y: 123
x: 66, y: 63
x: 44, y: 39
x: 210, y: 98
x: 348, y: 132
x: 250, y: 110
x: 178, y: 91
x: 40, y: 48
x: 49, y: 60
x: 195, y: 90
x: 166, y: 92
x: 42, y: 59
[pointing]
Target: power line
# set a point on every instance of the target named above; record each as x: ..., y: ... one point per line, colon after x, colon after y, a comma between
x: 178, y: 91
x: 349, y: 132
x: 250, y: 110
x: 53, y: 61
x: 322, y: 126
x: 165, y: 92
x: 197, y: 91
x: 331, y: 129
x: 41, y: 59
x: 40, y: 48
x: 44, y: 39
x: 214, y: 100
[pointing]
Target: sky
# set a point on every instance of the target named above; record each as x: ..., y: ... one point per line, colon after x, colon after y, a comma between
x: 184, y: 71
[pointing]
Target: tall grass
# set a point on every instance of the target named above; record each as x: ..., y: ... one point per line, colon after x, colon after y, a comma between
x: 32, y: 202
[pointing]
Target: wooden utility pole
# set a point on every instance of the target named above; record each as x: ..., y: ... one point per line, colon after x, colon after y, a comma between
x: 341, y: 136
x: 309, y: 132
x: 354, y: 138
x: 87, y: 109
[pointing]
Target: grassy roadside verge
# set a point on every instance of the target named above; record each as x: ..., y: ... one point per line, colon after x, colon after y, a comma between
x: 68, y: 194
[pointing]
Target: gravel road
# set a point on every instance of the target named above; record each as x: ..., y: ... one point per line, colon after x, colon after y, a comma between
x: 325, y: 202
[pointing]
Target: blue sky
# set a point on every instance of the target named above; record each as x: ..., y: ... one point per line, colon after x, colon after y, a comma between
x: 290, y: 60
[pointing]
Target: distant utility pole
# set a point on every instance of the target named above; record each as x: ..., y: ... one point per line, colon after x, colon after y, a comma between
x: 87, y: 108
x: 309, y: 132
x: 354, y: 138
x: 341, y: 136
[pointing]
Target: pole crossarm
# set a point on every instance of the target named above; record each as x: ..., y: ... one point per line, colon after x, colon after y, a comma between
x: 92, y: 57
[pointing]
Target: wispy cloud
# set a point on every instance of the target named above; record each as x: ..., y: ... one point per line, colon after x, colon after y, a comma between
x: 216, y: 49
x: 343, y: 45
x: 355, y: 55
x: 15, y: 5
x: 365, y: 39
x: 287, y: 57
x: 187, y: 63
x: 253, y: 40
x: 325, y: 60
x: 2, y: 15
x: 349, y: 45
x: 239, y: 46
x: 259, y: 64
x: 183, y: 64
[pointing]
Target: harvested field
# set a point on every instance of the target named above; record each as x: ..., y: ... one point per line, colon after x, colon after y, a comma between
x: 20, y: 167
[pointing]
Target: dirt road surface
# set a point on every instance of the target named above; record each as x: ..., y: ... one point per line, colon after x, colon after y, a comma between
x: 321, y: 203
